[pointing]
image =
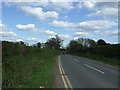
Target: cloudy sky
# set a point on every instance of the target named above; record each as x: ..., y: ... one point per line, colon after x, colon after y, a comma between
x: 38, y: 21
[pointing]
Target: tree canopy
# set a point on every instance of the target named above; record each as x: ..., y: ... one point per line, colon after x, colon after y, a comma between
x: 101, y: 42
x: 54, y: 43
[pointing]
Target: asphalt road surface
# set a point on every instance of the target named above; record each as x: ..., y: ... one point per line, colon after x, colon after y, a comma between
x: 85, y: 73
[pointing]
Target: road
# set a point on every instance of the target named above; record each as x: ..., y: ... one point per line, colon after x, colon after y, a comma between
x: 84, y: 73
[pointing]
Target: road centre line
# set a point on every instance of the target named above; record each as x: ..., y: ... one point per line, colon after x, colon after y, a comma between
x: 94, y: 68
x: 65, y: 78
x: 65, y: 84
x: 76, y: 60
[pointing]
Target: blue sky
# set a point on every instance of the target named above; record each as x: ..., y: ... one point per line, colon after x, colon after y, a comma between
x: 37, y: 22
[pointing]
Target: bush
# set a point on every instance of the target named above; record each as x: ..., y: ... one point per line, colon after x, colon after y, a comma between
x: 27, y: 66
x: 106, y: 50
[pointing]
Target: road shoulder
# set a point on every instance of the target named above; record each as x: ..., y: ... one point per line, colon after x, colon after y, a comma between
x: 58, y: 79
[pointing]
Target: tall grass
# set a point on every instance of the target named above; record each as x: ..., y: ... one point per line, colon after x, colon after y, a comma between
x: 30, y: 68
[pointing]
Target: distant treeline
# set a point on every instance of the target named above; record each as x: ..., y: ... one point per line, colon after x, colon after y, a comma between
x: 106, y: 50
x: 100, y: 47
x: 10, y: 49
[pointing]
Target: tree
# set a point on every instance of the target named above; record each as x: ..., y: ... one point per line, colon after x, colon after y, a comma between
x: 21, y: 42
x: 43, y: 45
x: 38, y: 45
x: 54, y: 43
x: 81, y: 41
x: 74, y: 46
x: 86, y: 42
x: 91, y: 42
x: 101, y: 42
x: 34, y: 45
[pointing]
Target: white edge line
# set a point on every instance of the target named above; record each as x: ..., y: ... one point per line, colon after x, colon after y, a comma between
x: 94, y: 69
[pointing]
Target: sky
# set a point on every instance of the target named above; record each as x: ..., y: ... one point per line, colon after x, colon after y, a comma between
x: 34, y: 22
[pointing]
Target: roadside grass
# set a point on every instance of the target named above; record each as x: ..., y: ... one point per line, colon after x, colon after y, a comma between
x: 0, y: 74
x: 32, y: 70
x: 111, y: 61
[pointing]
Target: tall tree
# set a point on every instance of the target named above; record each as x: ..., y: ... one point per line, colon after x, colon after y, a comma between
x: 101, y: 42
x: 38, y: 45
x: 86, y: 42
x: 74, y: 46
x: 91, y: 42
x: 54, y: 43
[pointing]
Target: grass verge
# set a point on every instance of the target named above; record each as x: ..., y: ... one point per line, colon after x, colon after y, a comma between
x: 111, y: 61
x: 32, y: 70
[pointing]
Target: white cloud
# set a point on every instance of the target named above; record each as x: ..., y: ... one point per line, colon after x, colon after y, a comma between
x: 18, y: 40
x: 103, y: 9
x: 30, y: 40
x: 96, y: 31
x: 65, y: 36
x: 56, y: 6
x: 61, y: 24
x: 46, y: 32
x: 79, y: 5
x: 105, y: 12
x: 75, y: 38
x: 79, y: 34
x: 65, y: 17
x: 35, y: 30
x: 86, y: 25
x: 59, y: 0
x: 111, y: 33
x: 82, y: 34
x: 73, y: 29
x: 25, y: 27
x: 89, y: 4
x: 3, y: 27
x: 33, y: 39
x: 94, y: 5
x: 49, y: 32
x: 8, y: 34
x: 38, y: 13
x: 61, y: 6
x: 96, y: 24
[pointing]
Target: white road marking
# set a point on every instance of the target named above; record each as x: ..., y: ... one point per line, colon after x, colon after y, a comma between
x: 65, y: 84
x: 66, y: 81
x: 76, y: 60
x: 94, y: 69
x: 67, y: 78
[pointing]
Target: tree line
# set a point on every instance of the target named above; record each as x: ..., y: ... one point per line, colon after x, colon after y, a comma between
x: 52, y: 43
x: 89, y: 46
x: 81, y: 45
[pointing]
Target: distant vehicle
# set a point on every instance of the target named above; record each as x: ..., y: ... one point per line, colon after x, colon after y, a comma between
x: 63, y: 53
